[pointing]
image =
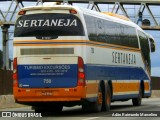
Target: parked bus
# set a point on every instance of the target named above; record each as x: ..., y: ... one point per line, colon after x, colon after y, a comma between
x: 66, y: 56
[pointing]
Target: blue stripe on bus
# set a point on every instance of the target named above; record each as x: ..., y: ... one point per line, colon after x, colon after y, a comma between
x: 120, y: 97
x: 125, y: 96
x: 115, y: 97
x: 35, y: 77
x: 128, y: 96
x: 106, y: 72
x: 147, y: 94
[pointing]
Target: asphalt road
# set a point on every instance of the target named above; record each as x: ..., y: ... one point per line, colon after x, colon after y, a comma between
x: 149, y: 107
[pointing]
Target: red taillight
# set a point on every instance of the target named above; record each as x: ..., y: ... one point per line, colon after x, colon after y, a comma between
x: 73, y: 11
x: 81, y: 74
x: 14, y: 64
x: 22, y: 12
x: 15, y: 77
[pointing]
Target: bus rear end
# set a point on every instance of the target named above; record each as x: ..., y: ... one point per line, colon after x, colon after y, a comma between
x: 48, y: 59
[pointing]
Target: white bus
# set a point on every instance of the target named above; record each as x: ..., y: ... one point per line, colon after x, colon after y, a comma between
x: 65, y: 56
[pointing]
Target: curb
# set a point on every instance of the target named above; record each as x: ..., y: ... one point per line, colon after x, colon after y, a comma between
x: 155, y: 94
x: 7, y: 101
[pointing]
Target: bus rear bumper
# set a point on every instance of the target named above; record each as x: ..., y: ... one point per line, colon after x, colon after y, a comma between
x: 27, y: 95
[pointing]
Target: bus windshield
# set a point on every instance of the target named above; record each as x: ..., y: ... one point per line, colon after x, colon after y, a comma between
x: 48, y: 25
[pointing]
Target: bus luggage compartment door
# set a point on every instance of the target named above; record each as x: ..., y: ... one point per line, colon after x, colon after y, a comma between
x: 47, y: 72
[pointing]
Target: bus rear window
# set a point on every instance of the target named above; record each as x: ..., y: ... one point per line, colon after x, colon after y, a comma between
x: 48, y: 25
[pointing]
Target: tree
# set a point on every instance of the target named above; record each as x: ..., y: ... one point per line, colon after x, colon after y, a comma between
x: 1, y: 59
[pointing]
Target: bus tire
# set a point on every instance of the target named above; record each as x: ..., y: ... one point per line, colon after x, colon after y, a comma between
x: 97, y: 106
x: 107, y: 99
x: 137, y: 101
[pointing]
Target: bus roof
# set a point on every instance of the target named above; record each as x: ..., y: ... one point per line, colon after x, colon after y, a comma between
x: 116, y: 15
x: 109, y: 16
x: 112, y: 17
x: 48, y: 7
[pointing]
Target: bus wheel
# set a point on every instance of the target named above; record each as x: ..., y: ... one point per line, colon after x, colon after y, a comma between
x: 137, y: 101
x: 107, y: 99
x: 97, y: 106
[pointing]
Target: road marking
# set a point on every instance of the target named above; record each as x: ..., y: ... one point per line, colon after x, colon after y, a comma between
x: 91, y: 118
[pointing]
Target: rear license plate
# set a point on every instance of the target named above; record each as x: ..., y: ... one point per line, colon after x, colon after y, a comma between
x: 44, y: 93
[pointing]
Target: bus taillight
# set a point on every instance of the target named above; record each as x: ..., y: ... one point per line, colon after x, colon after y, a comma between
x: 22, y: 12
x: 81, y: 74
x: 73, y: 11
x: 15, y: 73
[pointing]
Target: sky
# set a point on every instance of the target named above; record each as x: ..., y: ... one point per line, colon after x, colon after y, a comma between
x: 155, y: 57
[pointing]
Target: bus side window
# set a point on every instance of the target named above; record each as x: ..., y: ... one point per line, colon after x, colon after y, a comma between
x: 100, y: 30
x: 91, y: 27
x: 106, y: 31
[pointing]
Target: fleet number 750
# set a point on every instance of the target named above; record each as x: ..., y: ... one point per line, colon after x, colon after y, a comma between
x: 47, y: 81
